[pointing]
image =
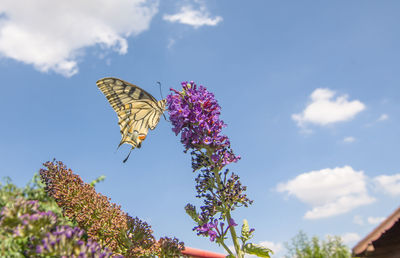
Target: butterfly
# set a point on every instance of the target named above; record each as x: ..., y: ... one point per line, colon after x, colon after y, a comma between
x: 137, y: 109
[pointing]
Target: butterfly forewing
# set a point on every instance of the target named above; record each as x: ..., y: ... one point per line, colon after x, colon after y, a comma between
x: 137, y: 110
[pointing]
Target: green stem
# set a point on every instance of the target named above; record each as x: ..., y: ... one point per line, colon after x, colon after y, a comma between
x: 234, y: 236
x: 227, y: 212
x: 226, y: 248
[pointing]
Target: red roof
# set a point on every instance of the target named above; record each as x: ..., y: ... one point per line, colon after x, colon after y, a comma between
x: 367, y: 244
x: 197, y: 253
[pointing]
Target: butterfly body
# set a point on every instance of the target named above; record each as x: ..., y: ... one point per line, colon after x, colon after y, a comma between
x: 137, y: 109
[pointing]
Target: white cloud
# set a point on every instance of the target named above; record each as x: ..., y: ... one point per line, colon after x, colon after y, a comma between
x: 388, y: 184
x: 371, y: 220
x: 375, y: 220
x: 329, y: 191
x: 51, y: 35
x: 196, y: 18
x: 324, y: 110
x: 350, y: 238
x: 383, y: 117
x: 349, y: 139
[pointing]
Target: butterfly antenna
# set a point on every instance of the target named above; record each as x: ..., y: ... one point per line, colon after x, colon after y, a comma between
x: 159, y: 84
x: 127, y: 157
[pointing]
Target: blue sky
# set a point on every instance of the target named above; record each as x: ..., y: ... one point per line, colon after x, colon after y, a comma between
x: 309, y: 91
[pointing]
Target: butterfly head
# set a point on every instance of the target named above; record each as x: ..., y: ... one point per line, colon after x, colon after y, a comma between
x: 161, y: 104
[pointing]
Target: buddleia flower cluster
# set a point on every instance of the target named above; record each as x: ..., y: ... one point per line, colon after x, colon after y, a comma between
x: 103, y: 221
x: 194, y: 113
x: 36, y: 233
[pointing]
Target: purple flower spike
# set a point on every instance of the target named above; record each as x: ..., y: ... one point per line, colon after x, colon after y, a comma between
x: 194, y: 113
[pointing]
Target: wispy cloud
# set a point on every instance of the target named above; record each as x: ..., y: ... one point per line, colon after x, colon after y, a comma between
x: 389, y: 184
x: 375, y: 220
x: 55, y: 41
x: 339, y: 189
x: 171, y: 42
x: 357, y: 219
x: 349, y: 139
x: 193, y: 17
x: 383, y: 117
x: 324, y: 110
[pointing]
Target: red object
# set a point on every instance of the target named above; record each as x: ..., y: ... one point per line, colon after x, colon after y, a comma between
x: 383, y: 241
x: 197, y: 253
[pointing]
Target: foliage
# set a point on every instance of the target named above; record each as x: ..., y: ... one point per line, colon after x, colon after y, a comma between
x: 194, y: 113
x: 302, y: 247
x: 103, y: 221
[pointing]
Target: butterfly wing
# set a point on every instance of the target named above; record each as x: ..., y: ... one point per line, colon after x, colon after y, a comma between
x: 137, y: 110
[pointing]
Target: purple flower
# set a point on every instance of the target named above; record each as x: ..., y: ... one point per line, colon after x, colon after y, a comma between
x: 194, y: 113
x: 213, y: 235
x: 232, y: 223
x: 32, y: 202
x: 67, y: 240
x: 39, y: 249
x: 209, y: 229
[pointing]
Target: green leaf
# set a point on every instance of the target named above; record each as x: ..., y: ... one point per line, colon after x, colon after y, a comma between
x: 98, y: 180
x: 258, y: 250
x: 191, y: 211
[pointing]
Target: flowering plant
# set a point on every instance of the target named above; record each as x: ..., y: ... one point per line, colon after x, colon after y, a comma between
x: 36, y: 233
x: 103, y: 221
x: 85, y: 224
x: 194, y: 113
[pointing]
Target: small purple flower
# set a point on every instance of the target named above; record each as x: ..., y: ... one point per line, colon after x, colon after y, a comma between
x: 32, y: 202
x: 39, y: 249
x: 209, y: 229
x: 232, y: 223
x: 213, y: 235
x: 207, y: 140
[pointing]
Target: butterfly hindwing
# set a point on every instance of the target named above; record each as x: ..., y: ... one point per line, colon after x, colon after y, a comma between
x: 137, y: 110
